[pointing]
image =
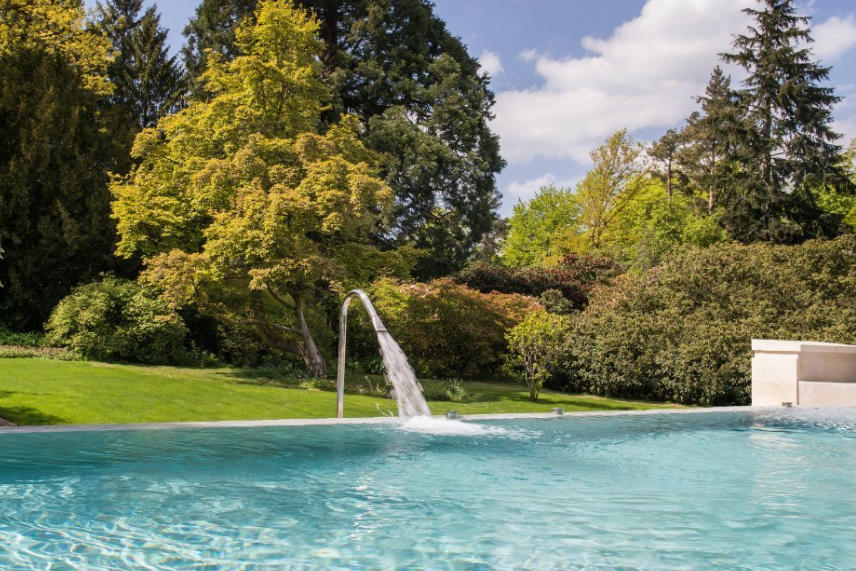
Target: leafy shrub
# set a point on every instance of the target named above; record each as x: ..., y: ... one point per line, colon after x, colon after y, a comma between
x: 448, y: 329
x: 450, y: 390
x: 26, y: 339
x: 55, y: 353
x: 681, y: 332
x: 554, y: 302
x: 535, y: 346
x: 116, y: 319
x: 574, y: 278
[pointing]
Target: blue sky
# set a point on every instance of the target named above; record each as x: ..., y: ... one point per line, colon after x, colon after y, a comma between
x: 567, y: 73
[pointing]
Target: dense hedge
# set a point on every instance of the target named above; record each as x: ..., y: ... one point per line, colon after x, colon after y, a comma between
x: 448, y: 329
x: 574, y: 277
x: 117, y: 319
x: 681, y: 332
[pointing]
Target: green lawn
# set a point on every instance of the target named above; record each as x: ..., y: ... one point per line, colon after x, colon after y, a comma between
x: 41, y: 391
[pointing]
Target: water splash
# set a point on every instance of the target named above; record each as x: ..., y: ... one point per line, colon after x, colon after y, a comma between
x: 407, y: 390
x: 444, y: 427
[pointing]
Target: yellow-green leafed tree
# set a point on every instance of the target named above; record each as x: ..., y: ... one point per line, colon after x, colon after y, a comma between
x: 613, y: 183
x: 239, y: 203
x: 57, y: 26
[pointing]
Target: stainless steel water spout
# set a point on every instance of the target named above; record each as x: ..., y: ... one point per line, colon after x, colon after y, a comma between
x: 343, y: 329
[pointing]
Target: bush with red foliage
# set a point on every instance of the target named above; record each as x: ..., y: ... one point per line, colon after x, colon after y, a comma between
x: 574, y: 276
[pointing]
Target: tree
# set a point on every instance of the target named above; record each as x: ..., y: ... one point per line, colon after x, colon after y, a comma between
x: 535, y: 346
x: 609, y: 187
x: 240, y: 205
x: 55, y: 150
x: 710, y: 155
x: 538, y: 230
x: 211, y: 28
x: 423, y: 102
x: 650, y: 227
x: 788, y: 146
x: 665, y: 151
x: 489, y: 250
x: 147, y: 80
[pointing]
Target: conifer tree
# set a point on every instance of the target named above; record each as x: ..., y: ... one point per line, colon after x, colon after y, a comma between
x: 55, y: 151
x: 788, y: 146
x: 158, y: 77
x: 711, y: 152
x: 147, y: 81
x: 665, y: 151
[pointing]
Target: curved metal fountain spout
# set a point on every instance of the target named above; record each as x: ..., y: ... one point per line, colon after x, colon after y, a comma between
x: 343, y: 329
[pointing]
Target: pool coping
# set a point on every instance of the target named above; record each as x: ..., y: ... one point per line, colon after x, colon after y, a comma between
x: 355, y: 421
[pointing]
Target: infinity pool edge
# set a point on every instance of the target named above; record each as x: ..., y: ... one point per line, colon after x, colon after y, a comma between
x: 351, y: 421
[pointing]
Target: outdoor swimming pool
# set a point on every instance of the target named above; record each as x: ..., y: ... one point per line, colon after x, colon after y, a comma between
x: 700, y: 491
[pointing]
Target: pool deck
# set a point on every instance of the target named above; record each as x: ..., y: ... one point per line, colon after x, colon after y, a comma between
x: 369, y: 420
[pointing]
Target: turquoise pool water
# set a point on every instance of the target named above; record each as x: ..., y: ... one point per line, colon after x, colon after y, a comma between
x: 759, y: 491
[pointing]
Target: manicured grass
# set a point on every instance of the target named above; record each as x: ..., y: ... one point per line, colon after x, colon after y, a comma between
x: 41, y: 391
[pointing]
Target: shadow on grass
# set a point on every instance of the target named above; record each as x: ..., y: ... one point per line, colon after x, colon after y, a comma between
x: 26, y: 415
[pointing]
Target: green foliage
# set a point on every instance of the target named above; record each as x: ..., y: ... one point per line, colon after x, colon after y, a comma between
x: 652, y: 225
x: 554, y: 302
x: 786, y: 144
x: 609, y: 187
x: 450, y: 390
x: 538, y: 230
x: 55, y: 148
x: 681, y: 332
x: 535, y: 346
x: 116, y: 319
x: 448, y: 329
x: 243, y: 209
x: 708, y: 144
x: 572, y: 278
x: 29, y: 339
x: 422, y: 99
x: 147, y: 81
x: 26, y: 352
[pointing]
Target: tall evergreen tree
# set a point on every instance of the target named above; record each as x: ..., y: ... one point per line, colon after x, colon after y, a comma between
x: 158, y: 77
x: 665, y: 151
x: 789, y: 146
x: 423, y: 101
x: 147, y: 81
x: 55, y: 150
x: 710, y: 153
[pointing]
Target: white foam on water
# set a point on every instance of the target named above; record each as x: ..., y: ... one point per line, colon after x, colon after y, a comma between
x: 444, y: 427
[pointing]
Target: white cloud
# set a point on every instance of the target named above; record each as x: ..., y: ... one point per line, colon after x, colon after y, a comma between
x: 529, y: 55
x: 645, y: 75
x: 527, y: 189
x: 834, y: 37
x: 490, y: 63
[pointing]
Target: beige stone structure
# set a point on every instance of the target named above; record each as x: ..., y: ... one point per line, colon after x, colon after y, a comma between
x: 803, y: 373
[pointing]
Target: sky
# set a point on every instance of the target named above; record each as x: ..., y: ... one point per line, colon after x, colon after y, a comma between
x: 568, y: 73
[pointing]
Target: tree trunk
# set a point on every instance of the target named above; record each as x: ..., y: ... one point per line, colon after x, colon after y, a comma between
x: 669, y: 181
x: 311, y: 356
x: 330, y: 32
x: 271, y: 333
